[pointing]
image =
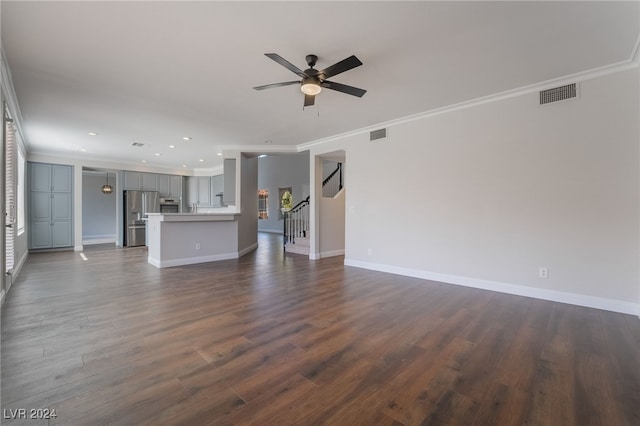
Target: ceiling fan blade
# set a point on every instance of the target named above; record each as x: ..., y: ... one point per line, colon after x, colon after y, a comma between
x: 288, y: 65
x: 269, y: 86
x: 309, y: 100
x: 342, y: 66
x: 350, y: 90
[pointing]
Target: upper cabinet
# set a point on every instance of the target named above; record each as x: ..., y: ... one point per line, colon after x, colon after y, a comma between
x: 132, y: 180
x: 170, y: 186
x: 149, y: 182
x: 202, y: 190
x: 217, y: 187
x: 51, y: 177
x: 163, y: 185
x: 175, y: 186
x: 229, y: 196
x: 167, y: 185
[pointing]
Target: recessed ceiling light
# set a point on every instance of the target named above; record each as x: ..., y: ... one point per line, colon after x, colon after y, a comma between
x: 157, y: 154
x: 184, y: 165
x: 267, y: 141
x: 83, y: 150
x: 262, y: 156
x: 143, y: 161
x: 93, y: 134
x: 186, y: 138
x: 172, y: 146
x: 134, y: 143
x: 219, y: 153
x: 201, y: 160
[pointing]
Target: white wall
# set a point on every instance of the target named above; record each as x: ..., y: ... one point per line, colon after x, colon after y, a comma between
x: 281, y: 171
x: 332, y: 222
x: 99, y: 214
x: 485, y: 195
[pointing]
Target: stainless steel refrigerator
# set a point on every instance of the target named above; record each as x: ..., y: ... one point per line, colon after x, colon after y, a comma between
x: 136, y: 206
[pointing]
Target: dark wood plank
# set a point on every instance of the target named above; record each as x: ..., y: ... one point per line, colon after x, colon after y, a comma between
x: 275, y: 338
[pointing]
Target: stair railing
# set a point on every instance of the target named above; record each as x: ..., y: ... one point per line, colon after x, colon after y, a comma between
x: 332, y: 184
x: 296, y: 222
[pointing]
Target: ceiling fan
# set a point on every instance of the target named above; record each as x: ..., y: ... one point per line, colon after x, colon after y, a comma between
x: 314, y: 80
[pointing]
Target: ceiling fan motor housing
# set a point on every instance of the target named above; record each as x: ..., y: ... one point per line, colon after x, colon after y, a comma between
x: 311, y: 60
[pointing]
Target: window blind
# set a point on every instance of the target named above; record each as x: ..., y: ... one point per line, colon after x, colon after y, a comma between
x: 10, y: 194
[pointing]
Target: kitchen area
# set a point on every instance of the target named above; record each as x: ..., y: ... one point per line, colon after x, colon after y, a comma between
x: 145, y: 193
x: 181, y: 219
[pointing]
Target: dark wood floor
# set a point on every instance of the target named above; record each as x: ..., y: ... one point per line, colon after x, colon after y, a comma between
x: 274, y: 339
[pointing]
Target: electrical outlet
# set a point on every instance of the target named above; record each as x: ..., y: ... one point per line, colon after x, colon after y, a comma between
x: 543, y: 272
x: 197, y: 246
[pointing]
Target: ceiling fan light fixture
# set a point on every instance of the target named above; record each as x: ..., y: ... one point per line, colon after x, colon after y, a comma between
x: 310, y: 87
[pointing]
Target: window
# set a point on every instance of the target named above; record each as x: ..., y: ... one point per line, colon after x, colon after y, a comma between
x: 20, y: 188
x: 263, y: 204
x: 10, y: 201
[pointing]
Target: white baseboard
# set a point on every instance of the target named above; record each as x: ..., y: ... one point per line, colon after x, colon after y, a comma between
x: 271, y: 231
x: 331, y: 253
x: 200, y: 259
x: 18, y: 266
x: 536, y: 293
x: 246, y: 250
x: 102, y: 239
x: 190, y: 260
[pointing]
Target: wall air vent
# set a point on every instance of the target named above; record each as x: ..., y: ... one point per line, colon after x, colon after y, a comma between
x: 137, y: 144
x: 378, y: 134
x: 558, y: 94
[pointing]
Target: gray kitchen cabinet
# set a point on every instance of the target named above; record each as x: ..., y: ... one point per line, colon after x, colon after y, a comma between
x: 199, y: 191
x: 175, y: 186
x: 204, y: 190
x: 217, y: 187
x: 229, y: 196
x: 170, y: 186
x: 191, y: 193
x: 139, y: 181
x: 51, y: 206
x: 132, y: 181
x: 163, y: 185
x: 149, y: 182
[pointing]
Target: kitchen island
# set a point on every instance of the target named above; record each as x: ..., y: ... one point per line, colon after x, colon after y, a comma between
x: 187, y: 238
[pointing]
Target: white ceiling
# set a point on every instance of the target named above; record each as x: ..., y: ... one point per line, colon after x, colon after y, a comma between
x: 154, y: 72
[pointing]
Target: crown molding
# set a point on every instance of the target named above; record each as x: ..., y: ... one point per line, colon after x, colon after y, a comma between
x: 82, y: 160
x: 571, y: 78
x: 259, y: 149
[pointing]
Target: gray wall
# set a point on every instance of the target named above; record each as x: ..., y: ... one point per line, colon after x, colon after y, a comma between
x: 280, y: 171
x: 247, y: 222
x: 99, y: 214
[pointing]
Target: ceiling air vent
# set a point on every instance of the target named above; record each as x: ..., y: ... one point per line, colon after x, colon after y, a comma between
x: 377, y: 134
x: 137, y: 144
x: 558, y: 94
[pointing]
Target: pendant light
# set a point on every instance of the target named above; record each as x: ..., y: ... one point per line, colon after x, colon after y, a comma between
x: 107, y: 189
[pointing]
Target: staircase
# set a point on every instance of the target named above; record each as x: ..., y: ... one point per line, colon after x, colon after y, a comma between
x: 296, y: 220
